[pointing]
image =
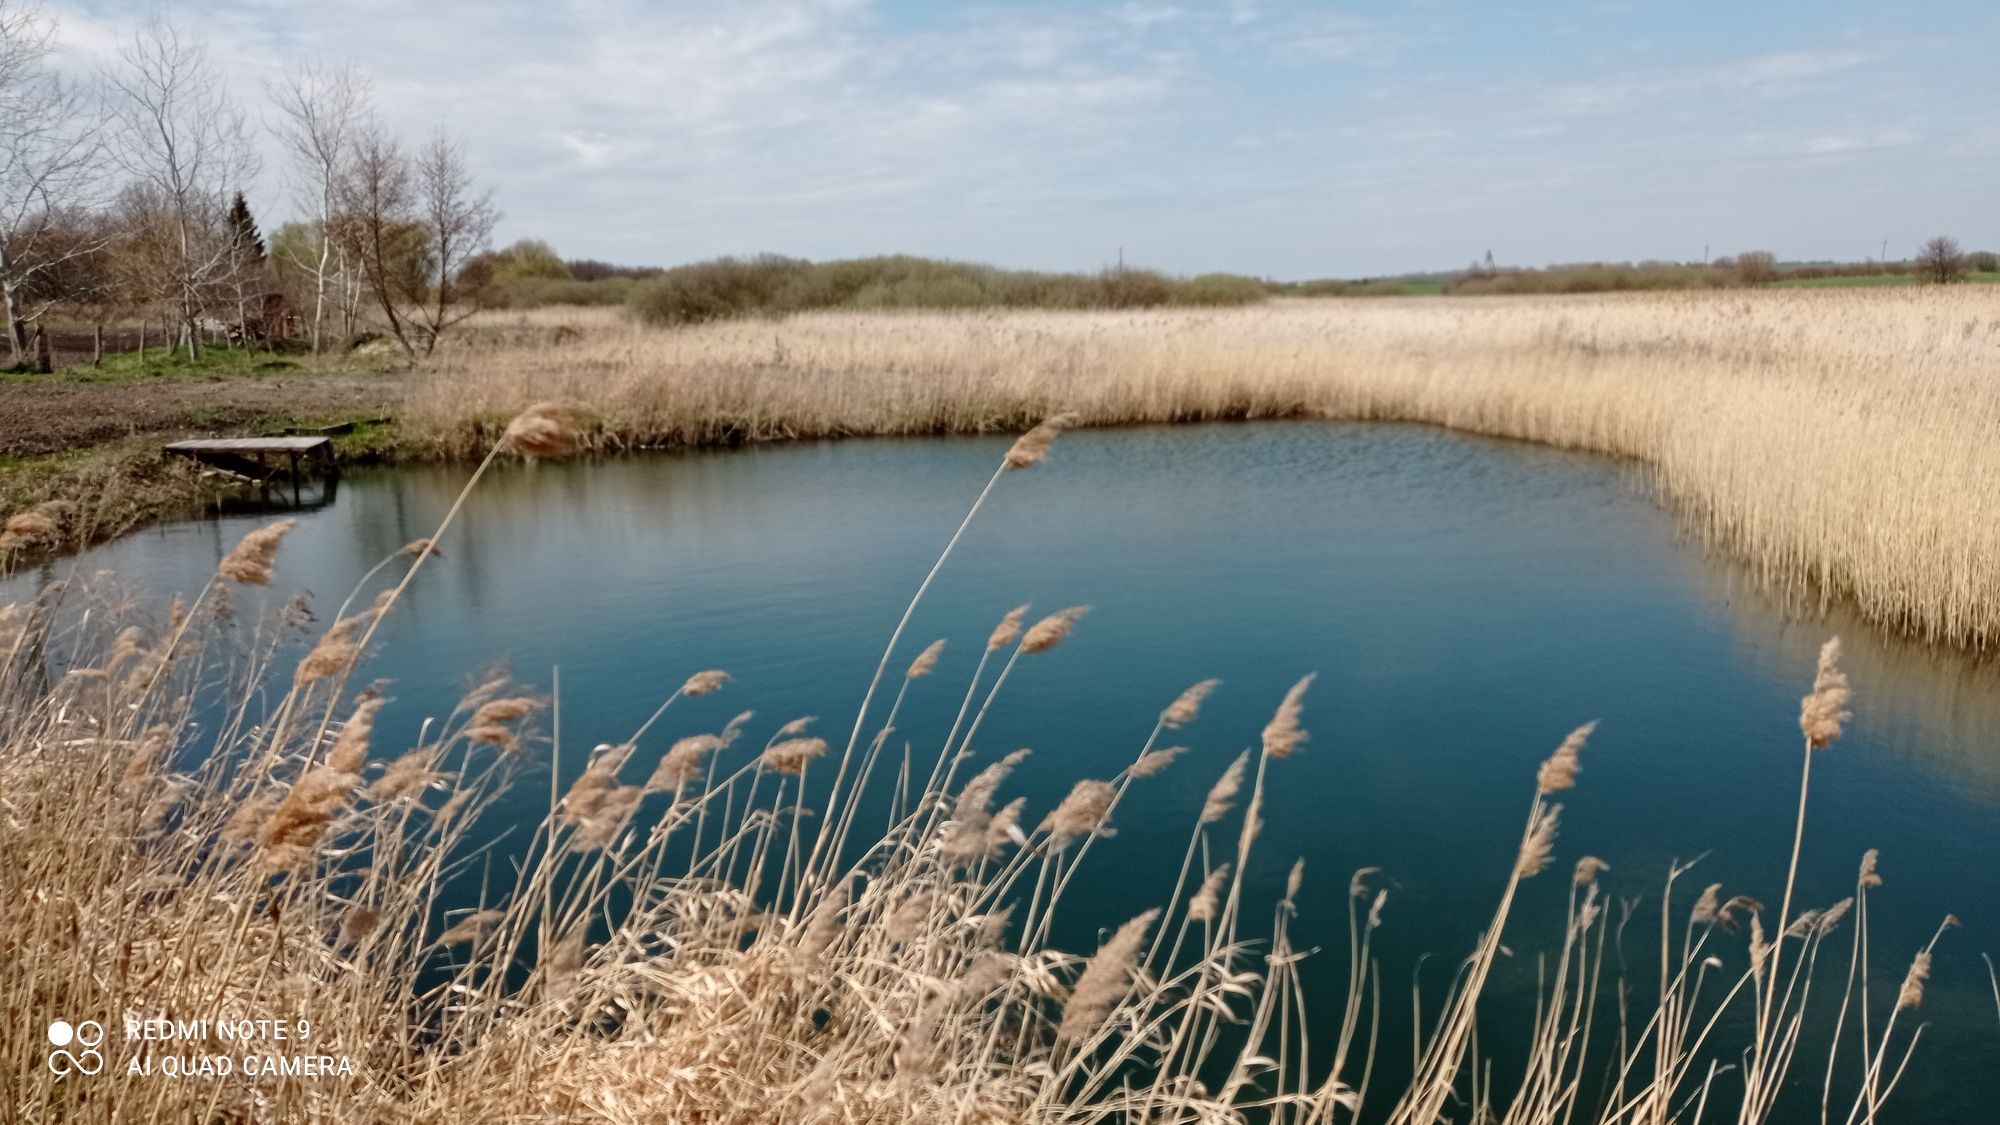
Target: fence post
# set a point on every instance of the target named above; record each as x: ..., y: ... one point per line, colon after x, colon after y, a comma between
x: 97, y: 346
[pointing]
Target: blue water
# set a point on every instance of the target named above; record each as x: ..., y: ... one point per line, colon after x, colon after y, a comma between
x: 1465, y: 603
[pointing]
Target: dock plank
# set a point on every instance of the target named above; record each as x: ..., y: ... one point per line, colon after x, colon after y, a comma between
x: 250, y: 445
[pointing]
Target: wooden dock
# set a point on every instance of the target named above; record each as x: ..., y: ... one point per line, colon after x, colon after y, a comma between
x: 264, y: 459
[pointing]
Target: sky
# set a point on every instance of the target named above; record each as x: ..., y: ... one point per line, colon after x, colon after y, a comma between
x: 1281, y: 139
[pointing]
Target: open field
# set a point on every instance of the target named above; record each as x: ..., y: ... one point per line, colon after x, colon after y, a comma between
x: 1843, y: 442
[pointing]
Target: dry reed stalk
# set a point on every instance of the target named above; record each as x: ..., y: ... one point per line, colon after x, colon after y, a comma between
x: 1792, y: 428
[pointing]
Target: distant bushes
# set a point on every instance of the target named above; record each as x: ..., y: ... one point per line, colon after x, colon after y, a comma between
x: 1377, y: 287
x: 528, y: 275
x: 1605, y: 277
x: 537, y: 292
x: 772, y: 285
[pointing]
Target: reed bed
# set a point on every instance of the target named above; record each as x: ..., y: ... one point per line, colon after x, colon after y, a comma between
x: 1840, y: 442
x: 704, y: 928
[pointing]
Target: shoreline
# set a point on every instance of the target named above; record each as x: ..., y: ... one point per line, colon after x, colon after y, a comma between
x: 1788, y: 432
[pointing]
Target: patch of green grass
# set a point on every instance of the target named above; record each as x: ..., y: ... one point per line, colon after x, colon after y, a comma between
x: 369, y: 442
x: 1870, y: 281
x: 217, y: 361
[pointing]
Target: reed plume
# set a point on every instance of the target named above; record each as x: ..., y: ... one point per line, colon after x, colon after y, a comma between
x: 1050, y: 631
x: 792, y: 755
x: 1029, y: 449
x: 1009, y: 628
x: 1222, y: 795
x: 1823, y: 710
x: 40, y: 525
x: 1869, y: 877
x: 335, y: 651
x: 587, y: 794
x: 472, y: 927
x: 1282, y: 734
x: 1559, y: 771
x: 926, y: 660
x: 1184, y: 708
x: 1538, y: 848
x: 683, y: 761
x: 1202, y: 906
x: 1105, y: 981
x: 546, y: 430
x: 1911, y: 995
x: 609, y: 814
x: 407, y: 776
x: 971, y: 832
x: 250, y: 563
x: 290, y: 836
x: 489, y: 720
x: 1154, y: 761
x: 350, y: 746
x: 701, y: 683
x: 1083, y: 812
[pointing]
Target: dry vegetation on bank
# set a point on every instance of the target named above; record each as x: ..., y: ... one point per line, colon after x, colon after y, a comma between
x: 1842, y: 442
x: 689, y: 939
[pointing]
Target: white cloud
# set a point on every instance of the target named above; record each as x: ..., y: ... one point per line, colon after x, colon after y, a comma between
x: 1201, y: 134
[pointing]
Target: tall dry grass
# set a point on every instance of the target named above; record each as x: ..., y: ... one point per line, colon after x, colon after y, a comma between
x: 1841, y: 442
x: 683, y: 937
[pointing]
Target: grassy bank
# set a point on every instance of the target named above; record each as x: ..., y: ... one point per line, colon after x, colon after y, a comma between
x: 1841, y: 441
x: 703, y: 929
x: 87, y: 441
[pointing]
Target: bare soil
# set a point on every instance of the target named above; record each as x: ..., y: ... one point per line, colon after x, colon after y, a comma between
x: 57, y: 415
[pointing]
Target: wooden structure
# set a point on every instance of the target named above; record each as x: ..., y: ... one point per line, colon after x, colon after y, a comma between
x: 263, y: 459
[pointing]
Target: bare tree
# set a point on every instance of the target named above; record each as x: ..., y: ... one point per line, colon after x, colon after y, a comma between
x: 460, y: 225
x: 411, y: 224
x: 376, y: 224
x: 1756, y: 267
x: 1941, y: 261
x: 181, y: 136
x: 321, y: 113
x: 49, y: 172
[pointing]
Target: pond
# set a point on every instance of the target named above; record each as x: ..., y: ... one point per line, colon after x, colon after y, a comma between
x: 1465, y: 604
